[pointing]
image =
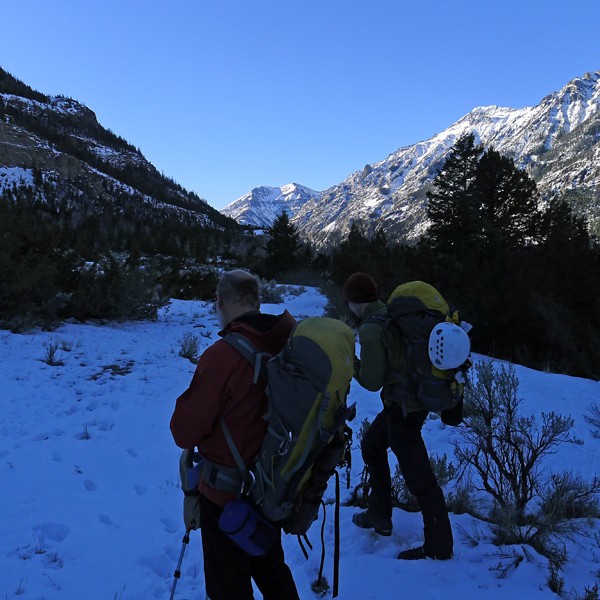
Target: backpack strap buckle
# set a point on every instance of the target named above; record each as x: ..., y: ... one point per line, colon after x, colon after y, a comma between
x: 285, y: 445
x: 247, y: 484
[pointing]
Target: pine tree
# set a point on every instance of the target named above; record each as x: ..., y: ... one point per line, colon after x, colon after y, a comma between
x: 506, y: 199
x: 282, y: 247
x: 451, y: 208
x: 561, y: 228
x: 351, y: 255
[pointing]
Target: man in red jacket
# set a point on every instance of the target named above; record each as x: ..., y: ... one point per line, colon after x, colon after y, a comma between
x: 222, y: 388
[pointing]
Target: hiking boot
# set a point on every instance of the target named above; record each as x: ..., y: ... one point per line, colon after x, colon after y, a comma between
x: 420, y: 554
x: 366, y: 520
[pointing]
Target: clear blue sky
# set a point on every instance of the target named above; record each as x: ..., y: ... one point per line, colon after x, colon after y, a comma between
x: 227, y: 95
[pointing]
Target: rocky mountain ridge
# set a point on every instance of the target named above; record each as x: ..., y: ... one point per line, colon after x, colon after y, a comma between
x: 75, y: 157
x: 260, y: 206
x: 557, y: 142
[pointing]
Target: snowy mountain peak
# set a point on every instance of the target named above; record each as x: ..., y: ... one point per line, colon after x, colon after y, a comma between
x: 260, y: 206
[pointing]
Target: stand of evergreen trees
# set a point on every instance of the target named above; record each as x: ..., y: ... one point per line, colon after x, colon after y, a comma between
x: 115, y: 258
x: 527, y: 275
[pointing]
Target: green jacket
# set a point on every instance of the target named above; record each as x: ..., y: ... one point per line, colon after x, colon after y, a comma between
x: 383, y: 359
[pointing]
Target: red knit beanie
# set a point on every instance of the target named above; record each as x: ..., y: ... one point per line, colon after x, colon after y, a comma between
x: 360, y: 288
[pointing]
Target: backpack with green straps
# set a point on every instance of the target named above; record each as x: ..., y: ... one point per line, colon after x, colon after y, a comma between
x: 437, y: 350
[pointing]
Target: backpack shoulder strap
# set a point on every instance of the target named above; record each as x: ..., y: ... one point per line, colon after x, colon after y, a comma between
x: 239, y: 461
x: 245, y: 347
x: 379, y: 319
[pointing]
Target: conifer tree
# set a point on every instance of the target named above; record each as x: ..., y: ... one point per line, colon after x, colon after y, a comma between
x: 351, y: 255
x: 282, y: 247
x: 451, y: 208
x: 561, y: 228
x: 506, y: 199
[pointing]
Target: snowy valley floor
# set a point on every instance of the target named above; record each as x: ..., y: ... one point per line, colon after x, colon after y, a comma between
x: 91, y: 505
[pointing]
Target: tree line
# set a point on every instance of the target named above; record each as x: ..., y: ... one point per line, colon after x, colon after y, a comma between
x: 523, y: 271
x: 117, y: 257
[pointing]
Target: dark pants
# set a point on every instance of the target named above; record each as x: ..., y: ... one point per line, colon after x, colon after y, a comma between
x: 228, y: 570
x: 390, y: 429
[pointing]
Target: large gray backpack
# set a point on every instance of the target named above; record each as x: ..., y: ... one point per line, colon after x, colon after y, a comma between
x: 307, y: 385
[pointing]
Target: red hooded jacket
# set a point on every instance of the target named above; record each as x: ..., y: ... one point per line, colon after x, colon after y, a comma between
x: 222, y: 387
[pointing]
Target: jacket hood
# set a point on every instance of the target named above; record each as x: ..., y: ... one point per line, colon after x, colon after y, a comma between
x: 268, y: 332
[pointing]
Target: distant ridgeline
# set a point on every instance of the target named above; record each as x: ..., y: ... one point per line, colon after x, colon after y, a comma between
x: 556, y: 142
x: 64, y: 141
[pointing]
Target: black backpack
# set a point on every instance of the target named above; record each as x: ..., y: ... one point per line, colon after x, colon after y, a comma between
x: 414, y: 310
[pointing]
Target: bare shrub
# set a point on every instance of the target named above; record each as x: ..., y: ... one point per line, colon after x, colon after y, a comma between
x: 593, y: 418
x: 401, y: 496
x: 569, y: 496
x: 50, y: 356
x: 470, y: 538
x: 507, y: 562
x: 502, y: 448
x: 189, y: 347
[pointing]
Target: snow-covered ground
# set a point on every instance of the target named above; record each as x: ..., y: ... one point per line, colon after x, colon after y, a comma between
x: 90, y: 498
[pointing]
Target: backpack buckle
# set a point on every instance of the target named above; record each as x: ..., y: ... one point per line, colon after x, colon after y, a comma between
x: 285, y: 445
x: 247, y: 485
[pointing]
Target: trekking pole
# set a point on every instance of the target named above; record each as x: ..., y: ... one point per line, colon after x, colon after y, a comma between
x: 336, y: 546
x: 177, y: 574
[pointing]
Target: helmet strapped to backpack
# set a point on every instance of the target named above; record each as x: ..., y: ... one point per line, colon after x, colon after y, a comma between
x: 449, y: 346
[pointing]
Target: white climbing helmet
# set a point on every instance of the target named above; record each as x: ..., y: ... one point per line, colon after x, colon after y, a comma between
x: 449, y: 346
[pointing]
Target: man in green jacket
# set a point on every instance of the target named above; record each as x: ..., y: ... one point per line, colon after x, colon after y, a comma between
x: 382, y: 366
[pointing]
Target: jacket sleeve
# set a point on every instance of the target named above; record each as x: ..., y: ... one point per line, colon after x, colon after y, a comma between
x: 373, y: 357
x: 197, y: 409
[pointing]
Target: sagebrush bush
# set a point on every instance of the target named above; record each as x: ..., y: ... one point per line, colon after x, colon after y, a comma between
x: 502, y: 449
x: 460, y: 500
x: 568, y: 496
x: 189, y: 347
x: 50, y: 353
x: 443, y: 469
x: 401, y: 496
x: 270, y: 293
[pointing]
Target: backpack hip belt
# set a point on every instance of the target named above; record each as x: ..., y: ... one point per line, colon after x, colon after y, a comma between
x: 225, y: 479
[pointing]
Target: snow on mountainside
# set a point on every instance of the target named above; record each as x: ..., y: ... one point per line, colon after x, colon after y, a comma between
x: 78, y: 158
x: 557, y: 142
x: 260, y: 206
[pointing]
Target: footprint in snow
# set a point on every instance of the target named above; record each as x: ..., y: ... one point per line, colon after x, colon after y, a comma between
x: 55, y: 532
x: 140, y: 489
x: 171, y: 526
x: 90, y: 486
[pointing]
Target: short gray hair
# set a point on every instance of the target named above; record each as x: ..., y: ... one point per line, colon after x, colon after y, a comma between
x: 240, y: 287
